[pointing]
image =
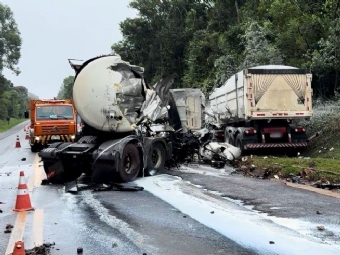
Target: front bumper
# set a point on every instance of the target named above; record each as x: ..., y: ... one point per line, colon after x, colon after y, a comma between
x: 48, y: 139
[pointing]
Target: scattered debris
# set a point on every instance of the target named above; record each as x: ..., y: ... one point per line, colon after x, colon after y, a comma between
x: 73, y: 188
x: 296, y: 179
x: 9, y: 226
x: 321, y: 228
x: 212, y: 212
x: 23, y: 159
x: 328, y: 185
x: 44, y: 249
x: 317, y: 212
x: 80, y: 250
x: 114, y: 245
x: 1, y: 211
x: 7, y: 231
x: 271, y: 242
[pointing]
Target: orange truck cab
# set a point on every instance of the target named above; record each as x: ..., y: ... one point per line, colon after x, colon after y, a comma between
x: 51, y: 121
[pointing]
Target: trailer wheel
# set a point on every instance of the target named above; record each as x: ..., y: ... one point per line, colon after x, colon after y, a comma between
x: 156, y: 160
x: 129, y: 165
x: 239, y: 143
x: 228, y: 138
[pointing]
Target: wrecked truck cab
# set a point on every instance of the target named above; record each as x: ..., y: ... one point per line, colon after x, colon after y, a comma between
x: 113, y: 101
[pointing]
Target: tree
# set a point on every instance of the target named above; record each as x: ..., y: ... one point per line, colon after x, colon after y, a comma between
x: 204, y: 42
x: 10, y: 40
x: 258, y: 50
x: 66, y: 89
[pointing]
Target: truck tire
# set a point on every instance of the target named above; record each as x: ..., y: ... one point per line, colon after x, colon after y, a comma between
x: 129, y: 165
x: 156, y: 160
x: 239, y: 143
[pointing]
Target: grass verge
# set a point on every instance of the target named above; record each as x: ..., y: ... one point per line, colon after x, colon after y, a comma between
x: 311, y: 169
x: 4, y: 125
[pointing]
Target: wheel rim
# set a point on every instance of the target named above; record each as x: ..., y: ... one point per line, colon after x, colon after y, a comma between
x: 156, y: 159
x: 128, y: 163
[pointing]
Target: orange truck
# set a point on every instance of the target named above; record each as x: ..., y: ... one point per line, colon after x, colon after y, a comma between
x: 52, y: 121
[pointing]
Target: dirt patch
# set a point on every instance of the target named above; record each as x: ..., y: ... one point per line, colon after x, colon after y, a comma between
x: 296, y: 170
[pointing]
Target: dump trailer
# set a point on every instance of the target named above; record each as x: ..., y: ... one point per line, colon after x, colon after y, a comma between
x: 128, y: 127
x: 52, y: 120
x: 256, y: 107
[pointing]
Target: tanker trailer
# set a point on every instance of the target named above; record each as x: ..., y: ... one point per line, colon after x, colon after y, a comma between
x: 116, y: 106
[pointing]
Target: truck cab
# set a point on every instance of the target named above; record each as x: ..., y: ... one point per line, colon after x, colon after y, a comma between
x: 51, y: 121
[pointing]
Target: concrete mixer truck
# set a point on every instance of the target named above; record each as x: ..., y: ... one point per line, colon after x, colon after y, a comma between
x: 128, y: 126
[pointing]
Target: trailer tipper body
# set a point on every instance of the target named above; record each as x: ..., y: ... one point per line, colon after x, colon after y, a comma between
x: 51, y: 121
x: 125, y: 124
x: 256, y: 107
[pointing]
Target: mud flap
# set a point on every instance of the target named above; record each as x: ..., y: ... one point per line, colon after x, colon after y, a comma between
x: 55, y: 172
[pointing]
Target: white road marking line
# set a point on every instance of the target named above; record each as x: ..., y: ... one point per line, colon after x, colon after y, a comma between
x: 37, y: 238
x: 17, y: 231
x: 34, y: 175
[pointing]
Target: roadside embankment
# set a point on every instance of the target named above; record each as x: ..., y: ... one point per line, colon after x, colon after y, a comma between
x: 4, y: 125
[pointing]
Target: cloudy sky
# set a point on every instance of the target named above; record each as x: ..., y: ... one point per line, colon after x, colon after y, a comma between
x: 55, y: 30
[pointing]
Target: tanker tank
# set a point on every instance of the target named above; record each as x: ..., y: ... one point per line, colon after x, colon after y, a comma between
x: 111, y: 95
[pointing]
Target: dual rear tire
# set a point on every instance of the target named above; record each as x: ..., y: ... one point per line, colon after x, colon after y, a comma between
x: 130, y: 165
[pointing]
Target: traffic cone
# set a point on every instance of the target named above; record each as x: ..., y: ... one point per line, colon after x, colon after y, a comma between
x: 19, y: 248
x: 23, y: 202
x: 27, y: 137
x: 17, y: 143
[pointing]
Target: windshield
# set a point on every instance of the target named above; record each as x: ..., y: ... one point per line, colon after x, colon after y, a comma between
x: 54, y: 112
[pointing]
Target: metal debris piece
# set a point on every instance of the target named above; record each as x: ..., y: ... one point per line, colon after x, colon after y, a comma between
x: 321, y: 228
x: 9, y: 226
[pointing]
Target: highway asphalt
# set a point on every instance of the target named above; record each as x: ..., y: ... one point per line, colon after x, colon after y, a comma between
x: 192, y: 210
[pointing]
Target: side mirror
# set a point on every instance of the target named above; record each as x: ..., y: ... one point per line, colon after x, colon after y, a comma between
x: 26, y: 115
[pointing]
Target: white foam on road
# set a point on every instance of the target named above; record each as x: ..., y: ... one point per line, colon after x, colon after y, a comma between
x: 205, y: 170
x: 250, y: 230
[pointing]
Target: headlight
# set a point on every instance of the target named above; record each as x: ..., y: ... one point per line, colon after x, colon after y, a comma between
x: 37, y: 138
x: 73, y: 136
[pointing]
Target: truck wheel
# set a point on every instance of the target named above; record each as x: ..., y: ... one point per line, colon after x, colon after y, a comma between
x: 129, y: 165
x: 156, y: 160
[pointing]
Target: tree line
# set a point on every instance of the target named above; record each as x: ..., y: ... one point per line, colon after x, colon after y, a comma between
x: 13, y: 99
x: 204, y: 42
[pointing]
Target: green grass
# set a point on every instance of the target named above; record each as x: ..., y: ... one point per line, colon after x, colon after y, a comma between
x: 13, y: 122
x: 317, y: 168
